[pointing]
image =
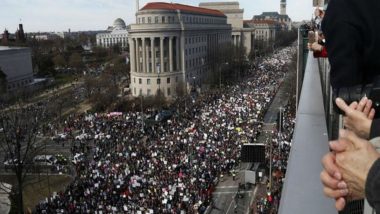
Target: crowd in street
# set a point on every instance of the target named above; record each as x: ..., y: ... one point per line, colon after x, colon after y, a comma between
x: 170, y: 166
x: 278, y: 154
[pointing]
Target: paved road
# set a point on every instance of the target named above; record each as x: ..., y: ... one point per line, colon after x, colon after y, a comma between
x: 281, y: 98
x: 4, y: 200
x: 225, y: 193
x: 226, y: 190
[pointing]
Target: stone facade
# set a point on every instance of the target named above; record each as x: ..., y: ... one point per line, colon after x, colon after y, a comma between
x: 117, y: 35
x: 170, y: 46
x: 16, y: 64
x: 241, y: 36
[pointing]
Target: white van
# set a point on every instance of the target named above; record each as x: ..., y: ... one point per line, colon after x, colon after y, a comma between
x: 45, y: 160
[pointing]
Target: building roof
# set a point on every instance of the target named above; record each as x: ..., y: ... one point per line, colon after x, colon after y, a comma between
x: 269, y: 22
x: 119, y: 24
x: 271, y: 14
x: 181, y: 7
x: 218, y: 3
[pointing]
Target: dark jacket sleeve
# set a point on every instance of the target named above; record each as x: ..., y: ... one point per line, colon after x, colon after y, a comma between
x: 343, y: 43
x: 375, y: 129
x: 372, y: 187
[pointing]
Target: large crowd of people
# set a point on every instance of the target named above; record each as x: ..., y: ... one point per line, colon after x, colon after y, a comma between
x: 170, y: 166
x: 278, y: 154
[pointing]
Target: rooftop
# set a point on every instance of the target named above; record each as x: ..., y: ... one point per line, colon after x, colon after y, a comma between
x: 271, y: 14
x: 181, y: 7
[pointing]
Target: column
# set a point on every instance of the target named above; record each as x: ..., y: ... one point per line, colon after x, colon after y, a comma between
x: 143, y: 55
x: 138, y: 60
x: 153, y: 50
x: 132, y: 52
x: 177, y: 41
x: 171, y: 54
x: 147, y: 58
x: 162, y: 54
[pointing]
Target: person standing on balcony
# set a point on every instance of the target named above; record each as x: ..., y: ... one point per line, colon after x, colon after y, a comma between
x: 352, y: 169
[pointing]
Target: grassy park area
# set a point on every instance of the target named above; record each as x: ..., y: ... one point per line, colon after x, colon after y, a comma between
x: 38, y: 187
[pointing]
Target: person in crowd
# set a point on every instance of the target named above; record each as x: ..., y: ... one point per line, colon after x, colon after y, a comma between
x: 319, y: 14
x: 171, y: 166
x: 318, y: 47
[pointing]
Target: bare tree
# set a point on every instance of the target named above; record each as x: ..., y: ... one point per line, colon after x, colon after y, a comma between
x: 18, y: 143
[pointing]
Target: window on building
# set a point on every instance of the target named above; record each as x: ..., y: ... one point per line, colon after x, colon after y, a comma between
x: 143, y: 20
x: 148, y: 81
x: 134, y: 91
x: 140, y: 81
x: 140, y: 93
x: 158, y: 81
x: 156, y: 19
x: 168, y: 91
x: 176, y: 79
x: 134, y: 80
x: 148, y: 92
x: 163, y: 19
x: 168, y: 80
x: 149, y: 20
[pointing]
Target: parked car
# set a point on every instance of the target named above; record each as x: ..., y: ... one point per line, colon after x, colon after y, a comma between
x: 45, y: 160
x: 10, y: 163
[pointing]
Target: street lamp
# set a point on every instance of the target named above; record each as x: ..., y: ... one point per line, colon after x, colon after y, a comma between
x: 159, y: 84
x: 142, y: 113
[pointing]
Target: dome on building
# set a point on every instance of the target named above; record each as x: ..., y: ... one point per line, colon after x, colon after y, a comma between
x: 119, y: 24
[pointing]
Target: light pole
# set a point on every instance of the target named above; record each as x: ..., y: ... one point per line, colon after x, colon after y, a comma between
x: 159, y: 84
x: 142, y: 113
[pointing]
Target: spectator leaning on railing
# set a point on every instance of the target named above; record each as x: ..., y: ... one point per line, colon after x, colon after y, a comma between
x: 316, y: 38
x: 352, y: 169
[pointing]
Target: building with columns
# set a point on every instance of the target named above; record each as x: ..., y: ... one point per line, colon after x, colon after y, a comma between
x: 170, y: 46
x: 241, y: 35
x: 116, y: 35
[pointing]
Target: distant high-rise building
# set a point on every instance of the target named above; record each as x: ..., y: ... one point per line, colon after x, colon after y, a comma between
x: 283, y: 7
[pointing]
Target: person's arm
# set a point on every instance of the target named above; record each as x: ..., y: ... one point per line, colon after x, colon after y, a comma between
x: 343, y: 43
x: 372, y: 187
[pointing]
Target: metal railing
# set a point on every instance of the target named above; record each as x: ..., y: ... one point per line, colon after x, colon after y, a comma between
x: 302, y: 191
x: 316, y: 124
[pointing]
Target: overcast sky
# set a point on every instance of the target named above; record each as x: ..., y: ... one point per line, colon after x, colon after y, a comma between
x: 79, y: 15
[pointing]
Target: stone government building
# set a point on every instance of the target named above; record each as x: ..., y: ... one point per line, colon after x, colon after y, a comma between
x: 116, y: 35
x: 170, y: 45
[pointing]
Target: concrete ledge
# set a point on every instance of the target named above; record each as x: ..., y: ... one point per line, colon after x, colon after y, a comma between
x: 302, y: 191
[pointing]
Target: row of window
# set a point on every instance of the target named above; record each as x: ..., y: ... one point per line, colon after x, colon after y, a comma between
x: 148, y: 81
x: 198, y: 39
x: 186, y: 19
x: 196, y: 50
x: 19, y: 84
x: 149, y: 92
x: 195, y: 62
x: 113, y: 40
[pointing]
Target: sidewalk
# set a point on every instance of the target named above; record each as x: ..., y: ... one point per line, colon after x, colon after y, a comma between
x: 5, y: 203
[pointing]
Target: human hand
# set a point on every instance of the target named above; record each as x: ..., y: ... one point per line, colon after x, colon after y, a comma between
x: 334, y: 186
x: 358, y: 116
x: 316, y: 47
x: 354, y: 158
